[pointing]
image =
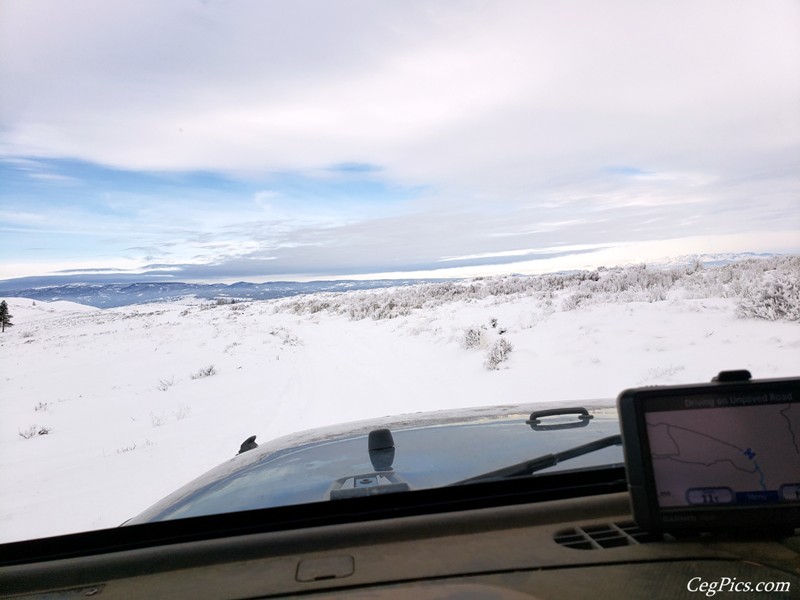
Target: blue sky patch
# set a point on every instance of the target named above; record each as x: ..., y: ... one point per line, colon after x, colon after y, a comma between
x: 624, y: 170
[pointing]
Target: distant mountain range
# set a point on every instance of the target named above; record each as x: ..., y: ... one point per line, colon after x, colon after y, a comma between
x: 102, y: 292
x: 109, y: 295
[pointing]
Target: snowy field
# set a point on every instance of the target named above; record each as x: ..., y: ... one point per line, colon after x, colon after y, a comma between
x: 103, y: 412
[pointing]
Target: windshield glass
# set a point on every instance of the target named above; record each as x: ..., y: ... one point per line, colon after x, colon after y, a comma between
x: 224, y: 220
x: 443, y: 448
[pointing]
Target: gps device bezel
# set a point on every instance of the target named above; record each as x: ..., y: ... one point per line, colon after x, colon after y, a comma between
x: 633, y: 404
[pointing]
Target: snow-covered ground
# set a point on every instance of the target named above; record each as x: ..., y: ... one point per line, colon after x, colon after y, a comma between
x: 103, y: 412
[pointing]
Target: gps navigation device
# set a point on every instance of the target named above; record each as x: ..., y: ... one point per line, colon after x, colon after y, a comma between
x: 720, y: 455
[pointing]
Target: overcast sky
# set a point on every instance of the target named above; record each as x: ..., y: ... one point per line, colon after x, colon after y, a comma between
x: 259, y: 140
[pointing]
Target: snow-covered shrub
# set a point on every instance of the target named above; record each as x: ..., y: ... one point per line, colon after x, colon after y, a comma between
x: 636, y: 283
x: 132, y: 447
x: 695, y: 266
x: 182, y: 412
x: 498, y: 353
x: 204, y: 372
x: 33, y: 431
x: 165, y: 384
x: 776, y: 299
x: 740, y: 279
x: 287, y: 337
x: 575, y: 300
x: 474, y: 337
x: 657, y: 293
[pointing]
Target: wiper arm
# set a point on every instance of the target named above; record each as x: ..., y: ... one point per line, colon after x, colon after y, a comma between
x: 529, y: 467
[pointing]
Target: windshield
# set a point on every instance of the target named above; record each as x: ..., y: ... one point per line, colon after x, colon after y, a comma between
x: 452, y: 448
x: 224, y: 220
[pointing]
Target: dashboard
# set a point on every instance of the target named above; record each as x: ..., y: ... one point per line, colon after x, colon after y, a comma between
x: 565, y: 548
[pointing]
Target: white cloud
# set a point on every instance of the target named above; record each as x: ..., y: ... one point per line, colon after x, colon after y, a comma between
x: 506, y: 113
x: 429, y: 92
x: 573, y: 248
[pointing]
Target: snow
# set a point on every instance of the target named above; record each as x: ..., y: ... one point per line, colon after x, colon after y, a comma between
x: 129, y: 416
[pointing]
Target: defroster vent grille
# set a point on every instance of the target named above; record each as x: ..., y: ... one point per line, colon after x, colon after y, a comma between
x: 605, y: 535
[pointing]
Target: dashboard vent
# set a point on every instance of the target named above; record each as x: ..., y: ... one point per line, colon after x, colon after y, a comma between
x: 606, y: 535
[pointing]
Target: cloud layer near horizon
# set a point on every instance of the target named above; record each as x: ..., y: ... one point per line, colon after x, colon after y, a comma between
x: 354, y: 137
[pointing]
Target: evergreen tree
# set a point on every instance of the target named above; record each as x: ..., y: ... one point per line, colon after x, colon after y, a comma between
x: 5, y: 318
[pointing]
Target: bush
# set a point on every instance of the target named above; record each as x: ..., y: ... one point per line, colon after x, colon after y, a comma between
x: 474, y: 337
x: 33, y: 431
x: 165, y: 384
x: 287, y: 337
x: 204, y: 372
x: 182, y: 412
x: 498, y: 354
x: 777, y: 299
x: 575, y: 300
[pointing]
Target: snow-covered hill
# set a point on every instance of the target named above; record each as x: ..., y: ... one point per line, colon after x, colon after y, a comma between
x: 105, y: 411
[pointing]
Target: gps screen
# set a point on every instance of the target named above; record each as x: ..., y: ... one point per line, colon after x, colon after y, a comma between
x: 726, y: 450
x: 719, y: 456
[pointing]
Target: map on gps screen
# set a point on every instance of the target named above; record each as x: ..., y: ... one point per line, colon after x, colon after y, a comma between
x: 731, y: 455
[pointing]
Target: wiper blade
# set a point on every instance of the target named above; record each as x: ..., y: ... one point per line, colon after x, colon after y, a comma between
x: 529, y: 467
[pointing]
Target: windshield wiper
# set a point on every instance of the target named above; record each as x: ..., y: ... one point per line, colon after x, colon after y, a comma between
x: 529, y: 467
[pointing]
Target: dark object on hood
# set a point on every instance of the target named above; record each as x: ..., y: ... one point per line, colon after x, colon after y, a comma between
x: 381, y: 449
x: 248, y: 444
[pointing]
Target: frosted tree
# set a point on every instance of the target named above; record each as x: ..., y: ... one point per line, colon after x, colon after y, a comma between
x: 5, y: 318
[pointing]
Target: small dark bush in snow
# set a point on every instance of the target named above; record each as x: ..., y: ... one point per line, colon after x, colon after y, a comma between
x: 33, y: 431
x: 473, y: 337
x: 204, y: 372
x: 498, y: 353
x: 165, y: 384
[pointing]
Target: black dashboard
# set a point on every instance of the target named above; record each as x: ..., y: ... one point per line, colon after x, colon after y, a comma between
x: 577, y: 547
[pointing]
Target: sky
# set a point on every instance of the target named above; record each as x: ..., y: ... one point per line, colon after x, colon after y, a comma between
x: 245, y: 140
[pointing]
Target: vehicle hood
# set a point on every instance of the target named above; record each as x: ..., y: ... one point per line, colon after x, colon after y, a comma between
x: 431, y: 449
